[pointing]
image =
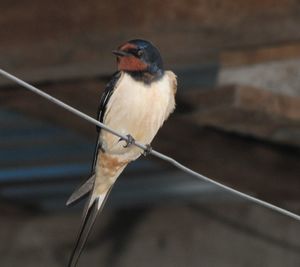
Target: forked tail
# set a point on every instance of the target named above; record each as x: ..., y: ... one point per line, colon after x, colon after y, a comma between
x: 95, y: 205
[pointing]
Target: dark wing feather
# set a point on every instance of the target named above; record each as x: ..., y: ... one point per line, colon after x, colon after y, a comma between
x: 92, y: 209
x: 87, y: 185
x: 101, y: 111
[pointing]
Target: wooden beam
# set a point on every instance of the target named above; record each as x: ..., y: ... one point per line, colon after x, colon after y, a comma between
x: 254, y: 55
x: 83, y: 94
x: 248, y: 111
x: 68, y: 40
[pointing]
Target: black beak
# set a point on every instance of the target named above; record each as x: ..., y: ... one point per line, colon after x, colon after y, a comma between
x: 120, y: 53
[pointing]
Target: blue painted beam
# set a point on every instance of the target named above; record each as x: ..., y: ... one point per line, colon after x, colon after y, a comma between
x: 31, y: 173
x: 45, y: 152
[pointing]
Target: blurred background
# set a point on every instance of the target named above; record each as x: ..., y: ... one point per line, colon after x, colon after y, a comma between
x: 237, y: 121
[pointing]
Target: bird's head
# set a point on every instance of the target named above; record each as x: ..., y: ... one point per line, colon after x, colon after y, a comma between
x: 139, y: 57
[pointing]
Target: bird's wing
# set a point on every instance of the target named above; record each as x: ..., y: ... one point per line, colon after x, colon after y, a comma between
x: 87, y: 185
x: 101, y: 110
x: 95, y: 203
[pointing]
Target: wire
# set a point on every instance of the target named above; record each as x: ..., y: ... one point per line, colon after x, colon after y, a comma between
x: 144, y: 147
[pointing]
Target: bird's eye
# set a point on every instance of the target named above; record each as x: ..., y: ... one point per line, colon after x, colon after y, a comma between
x: 140, y: 53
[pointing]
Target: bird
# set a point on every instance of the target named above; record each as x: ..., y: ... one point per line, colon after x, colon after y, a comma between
x: 136, y: 101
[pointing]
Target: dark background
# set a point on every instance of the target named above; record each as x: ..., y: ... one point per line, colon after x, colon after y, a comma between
x: 237, y: 121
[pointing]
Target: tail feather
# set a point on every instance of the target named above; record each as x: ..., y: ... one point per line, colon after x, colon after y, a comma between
x: 82, y: 191
x: 94, y: 206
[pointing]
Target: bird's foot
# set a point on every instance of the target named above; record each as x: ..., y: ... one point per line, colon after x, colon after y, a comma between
x: 129, y: 141
x: 148, y: 150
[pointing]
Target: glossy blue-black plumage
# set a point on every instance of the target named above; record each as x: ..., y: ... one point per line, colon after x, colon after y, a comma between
x: 150, y: 55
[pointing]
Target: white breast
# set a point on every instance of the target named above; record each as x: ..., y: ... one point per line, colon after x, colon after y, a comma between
x: 138, y: 109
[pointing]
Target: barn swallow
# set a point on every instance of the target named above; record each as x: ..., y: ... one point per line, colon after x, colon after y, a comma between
x: 135, y: 103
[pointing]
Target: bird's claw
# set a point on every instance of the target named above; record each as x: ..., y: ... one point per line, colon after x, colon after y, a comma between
x: 148, y: 150
x: 129, y: 141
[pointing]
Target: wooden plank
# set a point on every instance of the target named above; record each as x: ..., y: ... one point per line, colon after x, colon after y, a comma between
x: 276, y: 76
x: 248, y: 111
x: 68, y: 40
x: 254, y: 55
x: 83, y: 94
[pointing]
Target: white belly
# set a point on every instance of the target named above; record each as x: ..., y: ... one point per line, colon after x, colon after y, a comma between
x: 136, y: 109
